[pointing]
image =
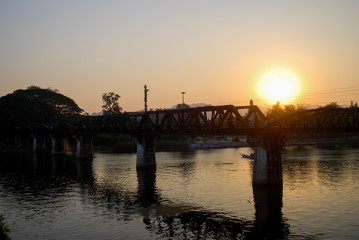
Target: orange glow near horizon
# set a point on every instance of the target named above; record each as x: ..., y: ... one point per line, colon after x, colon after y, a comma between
x: 279, y: 85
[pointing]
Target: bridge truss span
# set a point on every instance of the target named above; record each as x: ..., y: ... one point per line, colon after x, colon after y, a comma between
x: 210, y: 120
x: 319, y: 120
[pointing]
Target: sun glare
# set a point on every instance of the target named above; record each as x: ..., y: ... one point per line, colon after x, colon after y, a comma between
x: 278, y: 85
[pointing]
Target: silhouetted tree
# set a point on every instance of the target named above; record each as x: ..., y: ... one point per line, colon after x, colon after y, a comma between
x: 353, y: 105
x: 182, y: 106
x: 301, y: 107
x: 36, y: 105
x: 332, y: 105
x: 277, y: 111
x: 110, y: 103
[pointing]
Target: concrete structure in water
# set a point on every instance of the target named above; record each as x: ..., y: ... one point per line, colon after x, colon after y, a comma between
x: 146, y: 156
x: 84, y: 146
x: 55, y: 144
x: 267, y: 165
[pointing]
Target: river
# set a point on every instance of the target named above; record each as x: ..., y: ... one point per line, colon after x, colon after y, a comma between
x: 200, y: 194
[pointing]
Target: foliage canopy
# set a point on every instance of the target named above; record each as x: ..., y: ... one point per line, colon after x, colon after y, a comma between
x: 4, y: 226
x: 182, y: 106
x: 36, y: 105
x: 110, y: 103
x: 278, y: 111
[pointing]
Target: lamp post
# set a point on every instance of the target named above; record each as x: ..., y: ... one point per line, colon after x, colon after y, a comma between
x: 146, y: 90
x: 183, y: 93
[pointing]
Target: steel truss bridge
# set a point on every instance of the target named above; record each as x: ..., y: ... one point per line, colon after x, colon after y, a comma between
x: 222, y: 120
x: 210, y: 120
x: 265, y: 136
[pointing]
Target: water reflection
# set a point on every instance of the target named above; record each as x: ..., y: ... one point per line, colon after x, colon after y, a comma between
x: 184, y: 162
x: 147, y: 194
x: 42, y: 173
x: 200, y: 224
x: 48, y: 180
x: 269, y: 222
x: 40, y: 188
x: 308, y: 163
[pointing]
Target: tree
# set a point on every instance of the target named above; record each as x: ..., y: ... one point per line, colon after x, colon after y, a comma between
x: 36, y: 105
x: 353, y: 105
x: 277, y: 111
x: 332, y: 105
x: 110, y: 103
x: 302, y: 107
x: 182, y: 106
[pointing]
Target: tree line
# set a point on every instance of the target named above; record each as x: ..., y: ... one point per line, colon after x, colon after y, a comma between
x: 278, y: 110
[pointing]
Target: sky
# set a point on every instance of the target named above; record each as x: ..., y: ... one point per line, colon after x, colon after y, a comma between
x: 215, y: 51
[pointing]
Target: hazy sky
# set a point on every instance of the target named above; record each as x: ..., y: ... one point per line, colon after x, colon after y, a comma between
x: 215, y: 51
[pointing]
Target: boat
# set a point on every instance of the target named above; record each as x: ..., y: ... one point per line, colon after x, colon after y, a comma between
x: 251, y: 156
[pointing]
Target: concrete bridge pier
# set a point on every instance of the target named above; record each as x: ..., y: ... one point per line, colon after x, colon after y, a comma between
x: 267, y: 165
x: 57, y: 145
x: 84, y: 148
x: 146, y: 156
x: 38, y: 143
x: 20, y: 140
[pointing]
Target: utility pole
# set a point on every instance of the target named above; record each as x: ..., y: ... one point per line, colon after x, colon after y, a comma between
x: 183, y: 93
x: 146, y: 90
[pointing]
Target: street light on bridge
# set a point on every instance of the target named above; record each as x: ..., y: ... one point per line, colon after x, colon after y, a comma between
x: 146, y: 91
x: 183, y: 93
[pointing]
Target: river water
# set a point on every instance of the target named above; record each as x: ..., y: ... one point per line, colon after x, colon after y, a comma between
x: 201, y: 194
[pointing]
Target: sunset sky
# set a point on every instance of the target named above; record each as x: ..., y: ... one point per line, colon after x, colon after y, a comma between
x: 215, y: 51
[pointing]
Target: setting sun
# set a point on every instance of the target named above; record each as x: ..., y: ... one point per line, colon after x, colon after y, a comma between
x: 278, y: 85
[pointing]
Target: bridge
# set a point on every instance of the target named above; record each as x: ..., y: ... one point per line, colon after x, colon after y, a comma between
x: 265, y: 136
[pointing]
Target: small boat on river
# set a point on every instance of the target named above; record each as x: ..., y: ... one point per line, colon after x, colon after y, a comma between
x: 251, y: 156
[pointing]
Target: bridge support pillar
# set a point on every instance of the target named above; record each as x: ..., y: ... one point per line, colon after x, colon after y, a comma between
x: 57, y: 145
x: 38, y: 144
x: 84, y: 147
x: 267, y: 165
x: 146, y: 157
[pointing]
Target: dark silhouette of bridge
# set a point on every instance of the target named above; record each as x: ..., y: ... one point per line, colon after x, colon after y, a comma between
x: 221, y: 120
x: 266, y: 136
x: 210, y: 120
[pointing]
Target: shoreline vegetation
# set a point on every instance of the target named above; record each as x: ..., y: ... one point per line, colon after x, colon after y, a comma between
x: 4, y: 229
x: 119, y: 143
